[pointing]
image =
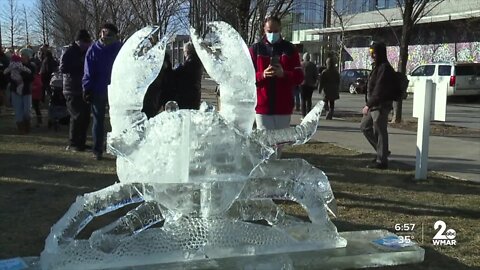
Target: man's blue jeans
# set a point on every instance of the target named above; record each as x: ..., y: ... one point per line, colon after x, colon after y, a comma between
x: 99, y: 104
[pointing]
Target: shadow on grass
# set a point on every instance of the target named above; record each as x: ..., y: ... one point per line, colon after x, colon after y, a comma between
x: 38, y: 185
x: 348, y: 168
x: 407, y: 208
x: 42, y: 169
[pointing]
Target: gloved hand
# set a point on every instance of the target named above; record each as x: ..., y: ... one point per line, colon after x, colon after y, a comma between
x: 87, y: 96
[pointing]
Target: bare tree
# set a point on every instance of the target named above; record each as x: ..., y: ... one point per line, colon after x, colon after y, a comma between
x: 343, y: 16
x: 65, y: 18
x: 11, y: 14
x: 246, y: 16
x: 41, y: 21
x: 412, y: 11
x: 25, y: 19
x: 1, y: 41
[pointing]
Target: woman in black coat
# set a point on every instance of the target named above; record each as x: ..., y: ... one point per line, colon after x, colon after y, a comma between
x: 189, y: 80
x: 160, y: 91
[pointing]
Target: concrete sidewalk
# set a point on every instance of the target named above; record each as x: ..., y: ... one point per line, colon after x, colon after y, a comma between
x: 453, y: 157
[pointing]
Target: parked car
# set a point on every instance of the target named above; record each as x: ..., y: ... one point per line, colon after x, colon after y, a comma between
x: 354, y: 80
x: 461, y: 79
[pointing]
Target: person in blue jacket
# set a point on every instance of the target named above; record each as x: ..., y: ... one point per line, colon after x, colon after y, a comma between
x: 96, y: 78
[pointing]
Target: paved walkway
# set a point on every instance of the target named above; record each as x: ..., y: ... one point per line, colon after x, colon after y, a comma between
x: 454, y: 157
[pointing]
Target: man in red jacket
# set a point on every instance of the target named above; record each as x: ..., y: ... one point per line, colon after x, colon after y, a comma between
x: 278, y: 70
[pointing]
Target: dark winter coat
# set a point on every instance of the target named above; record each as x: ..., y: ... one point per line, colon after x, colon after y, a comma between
x: 380, y: 81
x: 27, y: 80
x: 71, y: 66
x: 160, y: 91
x: 4, y: 61
x: 275, y: 95
x: 98, y: 67
x: 189, y: 82
x: 48, y: 67
x: 329, y: 82
x: 310, y: 74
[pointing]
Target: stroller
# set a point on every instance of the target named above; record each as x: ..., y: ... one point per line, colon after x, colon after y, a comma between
x: 57, y: 107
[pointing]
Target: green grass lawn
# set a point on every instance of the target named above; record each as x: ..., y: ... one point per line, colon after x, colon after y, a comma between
x: 39, y: 180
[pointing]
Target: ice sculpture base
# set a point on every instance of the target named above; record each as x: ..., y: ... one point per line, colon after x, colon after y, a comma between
x: 360, y: 252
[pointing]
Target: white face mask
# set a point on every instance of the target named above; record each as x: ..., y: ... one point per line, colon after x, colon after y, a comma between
x: 273, y: 37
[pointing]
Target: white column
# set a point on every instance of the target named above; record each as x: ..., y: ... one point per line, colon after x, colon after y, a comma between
x: 423, y: 132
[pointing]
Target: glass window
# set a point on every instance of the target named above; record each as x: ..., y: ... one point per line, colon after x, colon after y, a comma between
x: 363, y: 73
x: 381, y: 3
x: 444, y: 70
x: 429, y: 70
x: 391, y: 3
x: 418, y: 71
x: 464, y: 70
x: 350, y: 74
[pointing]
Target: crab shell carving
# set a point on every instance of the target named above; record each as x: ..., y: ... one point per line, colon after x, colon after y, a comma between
x: 202, y: 181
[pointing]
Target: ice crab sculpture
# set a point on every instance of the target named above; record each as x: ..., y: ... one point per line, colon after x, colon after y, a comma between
x: 202, y: 181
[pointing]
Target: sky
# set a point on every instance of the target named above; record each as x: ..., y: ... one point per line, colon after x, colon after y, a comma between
x: 29, y: 5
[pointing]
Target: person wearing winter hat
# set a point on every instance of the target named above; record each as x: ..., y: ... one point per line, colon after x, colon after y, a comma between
x: 71, y: 67
x: 378, y: 105
x: 20, y: 73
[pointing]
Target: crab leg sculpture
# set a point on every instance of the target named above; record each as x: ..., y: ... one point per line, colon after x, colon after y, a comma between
x: 202, y: 180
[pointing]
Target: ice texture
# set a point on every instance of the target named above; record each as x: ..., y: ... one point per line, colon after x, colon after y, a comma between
x: 189, y: 232
x: 226, y: 58
x: 201, y: 182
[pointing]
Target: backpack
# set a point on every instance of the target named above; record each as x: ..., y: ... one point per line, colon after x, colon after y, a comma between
x: 400, y: 86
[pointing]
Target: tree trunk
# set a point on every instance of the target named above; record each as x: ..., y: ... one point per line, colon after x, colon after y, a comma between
x: 243, y: 18
x: 154, y: 10
x: 402, y: 64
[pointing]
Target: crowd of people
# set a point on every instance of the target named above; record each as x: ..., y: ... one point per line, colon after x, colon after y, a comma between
x: 281, y: 77
x: 280, y: 74
x: 84, y: 70
x: 21, y: 74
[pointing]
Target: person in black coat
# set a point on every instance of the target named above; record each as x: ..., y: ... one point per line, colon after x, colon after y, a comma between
x: 189, y: 80
x: 48, y: 67
x: 378, y: 105
x: 160, y: 91
x: 71, y: 67
x: 329, y: 84
x: 4, y: 61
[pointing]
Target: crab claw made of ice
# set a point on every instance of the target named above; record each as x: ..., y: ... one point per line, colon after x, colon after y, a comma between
x: 135, y: 68
x: 189, y: 145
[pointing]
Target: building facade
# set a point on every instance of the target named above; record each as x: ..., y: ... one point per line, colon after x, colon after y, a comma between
x: 306, y: 15
x: 450, y: 32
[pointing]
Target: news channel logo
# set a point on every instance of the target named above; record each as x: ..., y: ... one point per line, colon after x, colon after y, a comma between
x: 444, y: 236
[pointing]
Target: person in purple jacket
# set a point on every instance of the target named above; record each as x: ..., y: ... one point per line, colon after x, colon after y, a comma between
x: 96, y: 78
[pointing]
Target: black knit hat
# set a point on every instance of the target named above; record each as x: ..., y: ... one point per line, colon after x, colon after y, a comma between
x: 378, y: 46
x: 83, y: 35
x: 111, y: 27
x: 380, y: 50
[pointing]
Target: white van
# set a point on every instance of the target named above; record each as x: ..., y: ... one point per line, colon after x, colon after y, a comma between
x: 462, y: 79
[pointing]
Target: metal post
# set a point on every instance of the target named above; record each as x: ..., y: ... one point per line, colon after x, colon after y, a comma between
x: 423, y: 133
